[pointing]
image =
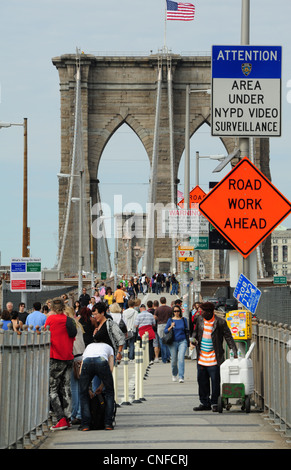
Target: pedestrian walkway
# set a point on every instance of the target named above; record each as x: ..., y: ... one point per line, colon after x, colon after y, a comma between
x: 166, y: 420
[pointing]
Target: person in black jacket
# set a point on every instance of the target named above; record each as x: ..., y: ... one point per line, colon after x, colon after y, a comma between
x: 84, y: 298
x: 208, y: 337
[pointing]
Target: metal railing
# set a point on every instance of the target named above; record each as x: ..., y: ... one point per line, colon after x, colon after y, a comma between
x: 272, y: 372
x: 149, y: 53
x: 24, y: 380
x: 24, y: 386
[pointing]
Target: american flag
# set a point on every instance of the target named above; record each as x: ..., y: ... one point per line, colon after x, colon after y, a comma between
x: 180, y: 11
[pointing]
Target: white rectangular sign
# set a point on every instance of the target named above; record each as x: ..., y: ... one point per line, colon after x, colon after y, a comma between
x: 246, y: 91
x: 25, y: 275
x: 187, y: 222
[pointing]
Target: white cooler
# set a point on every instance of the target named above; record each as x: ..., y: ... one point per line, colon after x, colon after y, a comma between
x: 238, y: 371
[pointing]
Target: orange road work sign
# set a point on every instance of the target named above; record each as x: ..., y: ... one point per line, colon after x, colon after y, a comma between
x: 245, y: 207
x: 195, y: 197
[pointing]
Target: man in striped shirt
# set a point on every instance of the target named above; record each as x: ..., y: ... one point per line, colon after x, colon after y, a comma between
x: 208, y: 337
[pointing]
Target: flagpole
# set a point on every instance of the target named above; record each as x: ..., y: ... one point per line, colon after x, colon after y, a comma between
x: 165, y: 28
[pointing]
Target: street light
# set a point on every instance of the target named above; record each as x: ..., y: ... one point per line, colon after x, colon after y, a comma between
x: 81, y: 257
x: 187, y: 143
x: 222, y: 159
x: 137, y: 251
x: 126, y: 243
x: 185, y: 265
x: 25, y: 229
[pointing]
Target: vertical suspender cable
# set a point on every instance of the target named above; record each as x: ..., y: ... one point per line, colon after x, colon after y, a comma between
x: 77, y: 110
x: 172, y: 155
x: 149, y: 255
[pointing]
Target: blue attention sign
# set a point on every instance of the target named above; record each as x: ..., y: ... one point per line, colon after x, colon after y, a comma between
x: 246, y: 61
x: 246, y: 91
x: 247, y: 293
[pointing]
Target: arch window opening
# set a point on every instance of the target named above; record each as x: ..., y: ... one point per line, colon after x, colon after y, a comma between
x: 123, y: 173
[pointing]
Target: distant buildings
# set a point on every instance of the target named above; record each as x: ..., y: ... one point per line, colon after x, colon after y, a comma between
x: 281, y: 251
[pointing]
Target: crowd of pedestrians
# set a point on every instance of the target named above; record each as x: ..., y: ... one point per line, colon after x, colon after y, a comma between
x: 158, y: 283
x: 88, y: 339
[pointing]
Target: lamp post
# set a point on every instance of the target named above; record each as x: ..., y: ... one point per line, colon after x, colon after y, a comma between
x: 185, y: 289
x: 25, y: 229
x: 126, y: 243
x: 196, y: 252
x: 137, y: 250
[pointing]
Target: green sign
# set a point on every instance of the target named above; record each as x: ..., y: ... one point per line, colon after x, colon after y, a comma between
x: 103, y: 276
x: 280, y: 280
x: 200, y: 243
x: 33, y: 267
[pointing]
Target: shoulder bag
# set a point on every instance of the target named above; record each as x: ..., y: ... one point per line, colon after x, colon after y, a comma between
x: 168, y: 338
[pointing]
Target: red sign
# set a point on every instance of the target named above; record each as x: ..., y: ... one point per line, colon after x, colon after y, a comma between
x: 18, y: 285
x: 195, y: 197
x: 245, y: 207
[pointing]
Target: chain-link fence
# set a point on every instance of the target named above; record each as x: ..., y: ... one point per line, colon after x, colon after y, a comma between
x: 42, y: 297
x: 275, y: 304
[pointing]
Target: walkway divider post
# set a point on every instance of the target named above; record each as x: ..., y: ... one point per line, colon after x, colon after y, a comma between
x: 141, y: 373
x: 115, y: 381
x: 145, y: 347
x: 137, y: 371
x: 144, y: 365
x: 125, y: 379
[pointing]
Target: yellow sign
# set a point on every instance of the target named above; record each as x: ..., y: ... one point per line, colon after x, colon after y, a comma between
x: 186, y: 253
x: 240, y: 324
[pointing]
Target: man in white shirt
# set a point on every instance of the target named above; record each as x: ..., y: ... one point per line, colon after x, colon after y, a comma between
x: 92, y: 303
x: 97, y: 360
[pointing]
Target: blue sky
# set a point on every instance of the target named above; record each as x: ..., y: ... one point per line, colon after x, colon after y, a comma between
x: 33, y: 32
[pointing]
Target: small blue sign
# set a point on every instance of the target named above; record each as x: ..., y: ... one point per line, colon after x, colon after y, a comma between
x: 247, y: 293
x: 18, y: 267
x: 253, y: 62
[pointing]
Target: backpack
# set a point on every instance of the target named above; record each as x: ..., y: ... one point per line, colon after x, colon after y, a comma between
x: 97, y: 409
x: 122, y: 326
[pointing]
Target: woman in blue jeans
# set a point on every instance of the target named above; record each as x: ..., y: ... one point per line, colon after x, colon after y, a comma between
x: 178, y: 348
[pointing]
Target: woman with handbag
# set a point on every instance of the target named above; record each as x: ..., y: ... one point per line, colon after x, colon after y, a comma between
x: 179, y: 327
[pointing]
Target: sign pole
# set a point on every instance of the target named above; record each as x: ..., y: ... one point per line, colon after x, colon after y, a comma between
x: 244, y: 141
x: 185, y: 288
x: 196, y: 252
x: 25, y: 229
x: 249, y: 263
x: 244, y: 146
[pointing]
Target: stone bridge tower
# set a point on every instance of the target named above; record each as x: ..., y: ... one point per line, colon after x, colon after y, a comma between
x: 148, y: 94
